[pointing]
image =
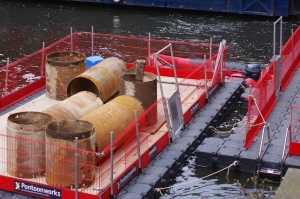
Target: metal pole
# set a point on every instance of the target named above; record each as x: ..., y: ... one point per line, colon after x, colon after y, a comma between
x: 293, y: 45
x: 210, y: 47
x: 6, y: 78
x: 162, y: 93
x: 205, y: 77
x: 174, y: 67
x: 76, y: 167
x: 71, y: 39
x: 280, y: 34
x: 138, y: 140
x: 274, y: 39
x: 221, y: 68
x: 43, y: 60
x: 149, y: 45
x: 92, y: 40
x: 111, y: 164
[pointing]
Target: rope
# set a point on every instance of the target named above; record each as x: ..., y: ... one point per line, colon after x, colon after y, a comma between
x: 235, y: 125
x: 254, y: 99
x: 170, y: 187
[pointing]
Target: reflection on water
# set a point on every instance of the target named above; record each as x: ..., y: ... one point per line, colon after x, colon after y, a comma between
x: 24, y: 26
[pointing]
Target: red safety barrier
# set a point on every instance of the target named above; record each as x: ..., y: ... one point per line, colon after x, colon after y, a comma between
x: 261, y: 101
x: 96, y: 168
x: 290, y: 58
x: 295, y: 131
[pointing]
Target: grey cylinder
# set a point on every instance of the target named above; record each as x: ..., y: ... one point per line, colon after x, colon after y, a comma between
x: 75, y: 107
x: 25, y: 144
x: 60, y: 153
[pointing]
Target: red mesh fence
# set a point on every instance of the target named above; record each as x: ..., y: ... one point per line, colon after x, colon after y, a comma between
x: 290, y: 58
x: 260, y: 103
x: 95, y: 169
x: 295, y: 131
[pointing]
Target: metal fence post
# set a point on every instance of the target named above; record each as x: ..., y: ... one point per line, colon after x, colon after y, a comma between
x: 43, y: 60
x: 71, y: 38
x: 111, y: 165
x: 210, y: 47
x: 149, y: 46
x: 138, y: 140
x: 6, y: 78
x: 205, y: 77
x: 92, y: 40
x: 76, y: 167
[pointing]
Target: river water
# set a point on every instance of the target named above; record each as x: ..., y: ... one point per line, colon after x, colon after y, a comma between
x: 25, y: 25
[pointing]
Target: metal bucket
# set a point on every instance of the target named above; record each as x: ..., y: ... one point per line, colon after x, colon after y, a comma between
x: 145, y: 91
x: 61, y: 68
x: 102, y: 79
x: 25, y: 144
x: 75, y: 106
x: 113, y: 116
x: 60, y: 153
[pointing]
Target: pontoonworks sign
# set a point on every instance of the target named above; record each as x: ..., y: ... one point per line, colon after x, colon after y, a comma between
x: 37, y: 190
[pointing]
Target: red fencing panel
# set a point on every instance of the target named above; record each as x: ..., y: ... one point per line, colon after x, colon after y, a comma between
x: 261, y: 101
x: 290, y: 58
x: 295, y: 131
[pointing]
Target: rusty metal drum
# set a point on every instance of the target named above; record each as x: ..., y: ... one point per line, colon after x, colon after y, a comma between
x: 75, y: 106
x: 60, y: 153
x: 102, y: 79
x: 61, y: 68
x: 145, y: 91
x: 114, y: 116
x: 25, y: 144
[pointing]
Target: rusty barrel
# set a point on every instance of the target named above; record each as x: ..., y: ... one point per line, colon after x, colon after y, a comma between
x: 25, y: 144
x: 145, y: 91
x: 114, y: 116
x: 102, y: 79
x: 75, y: 106
x: 60, y: 153
x: 61, y: 68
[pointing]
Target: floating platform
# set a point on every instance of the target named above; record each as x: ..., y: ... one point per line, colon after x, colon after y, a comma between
x: 218, y: 152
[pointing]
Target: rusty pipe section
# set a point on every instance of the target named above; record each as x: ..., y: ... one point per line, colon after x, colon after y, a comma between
x: 25, y: 148
x: 75, y: 106
x: 60, y: 153
x: 102, y: 79
x: 61, y: 68
x: 113, y: 116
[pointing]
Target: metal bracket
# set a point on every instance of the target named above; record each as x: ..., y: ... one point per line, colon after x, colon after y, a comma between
x: 100, y: 154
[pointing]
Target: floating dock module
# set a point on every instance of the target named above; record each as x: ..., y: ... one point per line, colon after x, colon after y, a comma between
x: 60, y: 153
x: 61, y: 68
x: 102, y: 79
x: 25, y: 151
x: 75, y: 107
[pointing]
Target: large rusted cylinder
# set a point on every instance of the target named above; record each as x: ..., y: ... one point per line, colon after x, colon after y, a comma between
x: 113, y: 116
x: 60, y: 153
x: 75, y: 106
x: 145, y: 91
x: 102, y: 79
x: 61, y: 68
x: 25, y: 144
